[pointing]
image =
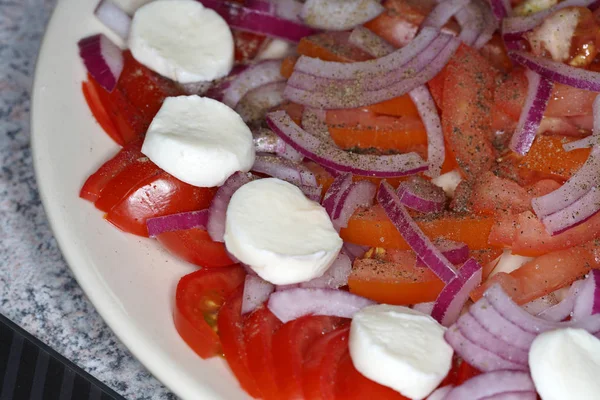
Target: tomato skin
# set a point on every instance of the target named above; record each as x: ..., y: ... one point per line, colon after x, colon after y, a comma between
x: 198, y: 298
x: 259, y: 328
x: 290, y: 344
x: 159, y: 195
x: 196, y: 247
x: 95, y: 183
x: 230, y: 323
x: 548, y: 157
x: 321, y: 364
x: 99, y: 112
x: 331, y: 46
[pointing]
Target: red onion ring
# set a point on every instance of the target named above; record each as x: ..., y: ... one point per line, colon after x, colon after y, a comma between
x: 332, y: 197
x: 436, y: 148
x: 290, y: 304
x: 587, y: 301
x: 440, y: 393
x: 422, y: 195
x: 177, y: 222
x: 370, y: 43
x: 333, y: 157
x: 354, y: 251
x: 335, y: 277
x: 114, y: 18
x: 442, y: 13
x: 493, y: 384
x: 256, y: 292
x: 412, y: 234
x: 562, y: 310
x: 286, y: 170
x: 255, y: 103
x: 471, y: 23
x: 574, y: 214
x: 585, y: 143
x: 490, y: 24
x: 257, y: 75
x: 558, y: 72
x: 538, y: 96
x: 289, y: 9
x: 358, y: 194
x: 501, y: 9
x: 455, y: 252
x: 218, y: 208
x: 339, y: 15
x: 240, y: 17
x: 103, y: 60
x: 266, y: 141
x: 312, y: 192
x: 455, y: 294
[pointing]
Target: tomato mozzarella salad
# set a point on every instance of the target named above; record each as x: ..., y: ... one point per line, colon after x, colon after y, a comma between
x: 393, y: 199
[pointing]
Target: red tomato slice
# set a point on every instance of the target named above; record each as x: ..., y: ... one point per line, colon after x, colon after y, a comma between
x: 465, y: 372
x: 321, y: 364
x: 156, y: 196
x: 259, y: 328
x: 290, y: 345
x: 95, y: 184
x: 99, y: 112
x: 230, y: 323
x: 196, y: 247
x: 351, y: 384
x: 247, y: 45
x: 198, y: 299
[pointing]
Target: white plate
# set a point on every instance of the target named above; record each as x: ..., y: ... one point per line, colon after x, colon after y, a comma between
x: 130, y: 280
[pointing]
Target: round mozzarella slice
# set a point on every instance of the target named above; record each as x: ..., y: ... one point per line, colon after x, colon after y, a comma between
x: 283, y: 236
x: 400, y: 348
x: 199, y: 140
x: 565, y: 364
x: 182, y: 40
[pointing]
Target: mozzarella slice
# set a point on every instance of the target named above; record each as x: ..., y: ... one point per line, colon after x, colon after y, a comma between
x: 130, y: 6
x: 284, y: 237
x: 448, y: 181
x: 565, y: 364
x: 199, y: 140
x: 182, y: 40
x: 400, y: 348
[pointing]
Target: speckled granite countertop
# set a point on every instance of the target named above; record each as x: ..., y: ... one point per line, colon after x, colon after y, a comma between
x: 37, y: 289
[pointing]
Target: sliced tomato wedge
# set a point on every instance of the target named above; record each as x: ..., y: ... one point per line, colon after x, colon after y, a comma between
x: 158, y: 195
x: 95, y: 105
x: 321, y: 364
x: 331, y: 46
x: 196, y: 247
x: 198, y: 298
x: 95, y: 184
x: 259, y: 329
x: 548, y: 157
x: 230, y: 323
x: 290, y: 345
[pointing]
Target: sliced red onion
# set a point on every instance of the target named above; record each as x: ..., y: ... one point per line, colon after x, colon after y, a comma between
x: 436, y: 150
x: 354, y: 251
x: 289, y: 9
x: 260, y: 5
x: 199, y: 88
x: 442, y: 13
x: 574, y: 214
x: 562, y: 310
x: 332, y: 196
x: 422, y: 195
x: 412, y: 234
x: 501, y: 9
x: 114, y: 18
x: 585, y: 143
x: 280, y: 288
x: 288, y: 305
x: 455, y: 294
x: 177, y: 222
x: 490, y: 24
x: 471, y: 23
x: 286, y: 170
x: 218, y: 87
x: 218, y: 207
x: 557, y: 71
x: 538, y: 95
x: 313, y: 122
x: 370, y: 43
x: 455, y: 252
x: 335, y: 277
x: 312, y: 192
x: 472, y: 330
x: 257, y: 75
x: 345, y: 96
x: 587, y: 302
x: 575, y: 188
x: 256, y: 292
x: 103, y: 60
x: 359, y: 194
x: 339, y: 15
x: 514, y: 27
x: 477, y: 356
x: 440, y: 393
x: 488, y: 385
x: 255, y: 103
x: 266, y: 141
x: 333, y: 157
x: 425, y: 308
x: 247, y: 19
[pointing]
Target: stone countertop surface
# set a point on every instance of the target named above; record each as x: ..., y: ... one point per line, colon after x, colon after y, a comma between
x: 37, y: 289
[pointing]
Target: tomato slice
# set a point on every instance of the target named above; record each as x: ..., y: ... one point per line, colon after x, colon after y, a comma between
x: 290, y: 345
x: 371, y: 227
x: 259, y: 328
x: 159, y: 195
x: 230, y: 323
x: 95, y: 184
x: 351, y: 384
x: 465, y: 372
x: 331, y: 46
x: 99, y: 112
x: 548, y: 157
x: 466, y: 111
x: 247, y: 45
x: 321, y: 364
x: 196, y: 247
x: 198, y: 298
